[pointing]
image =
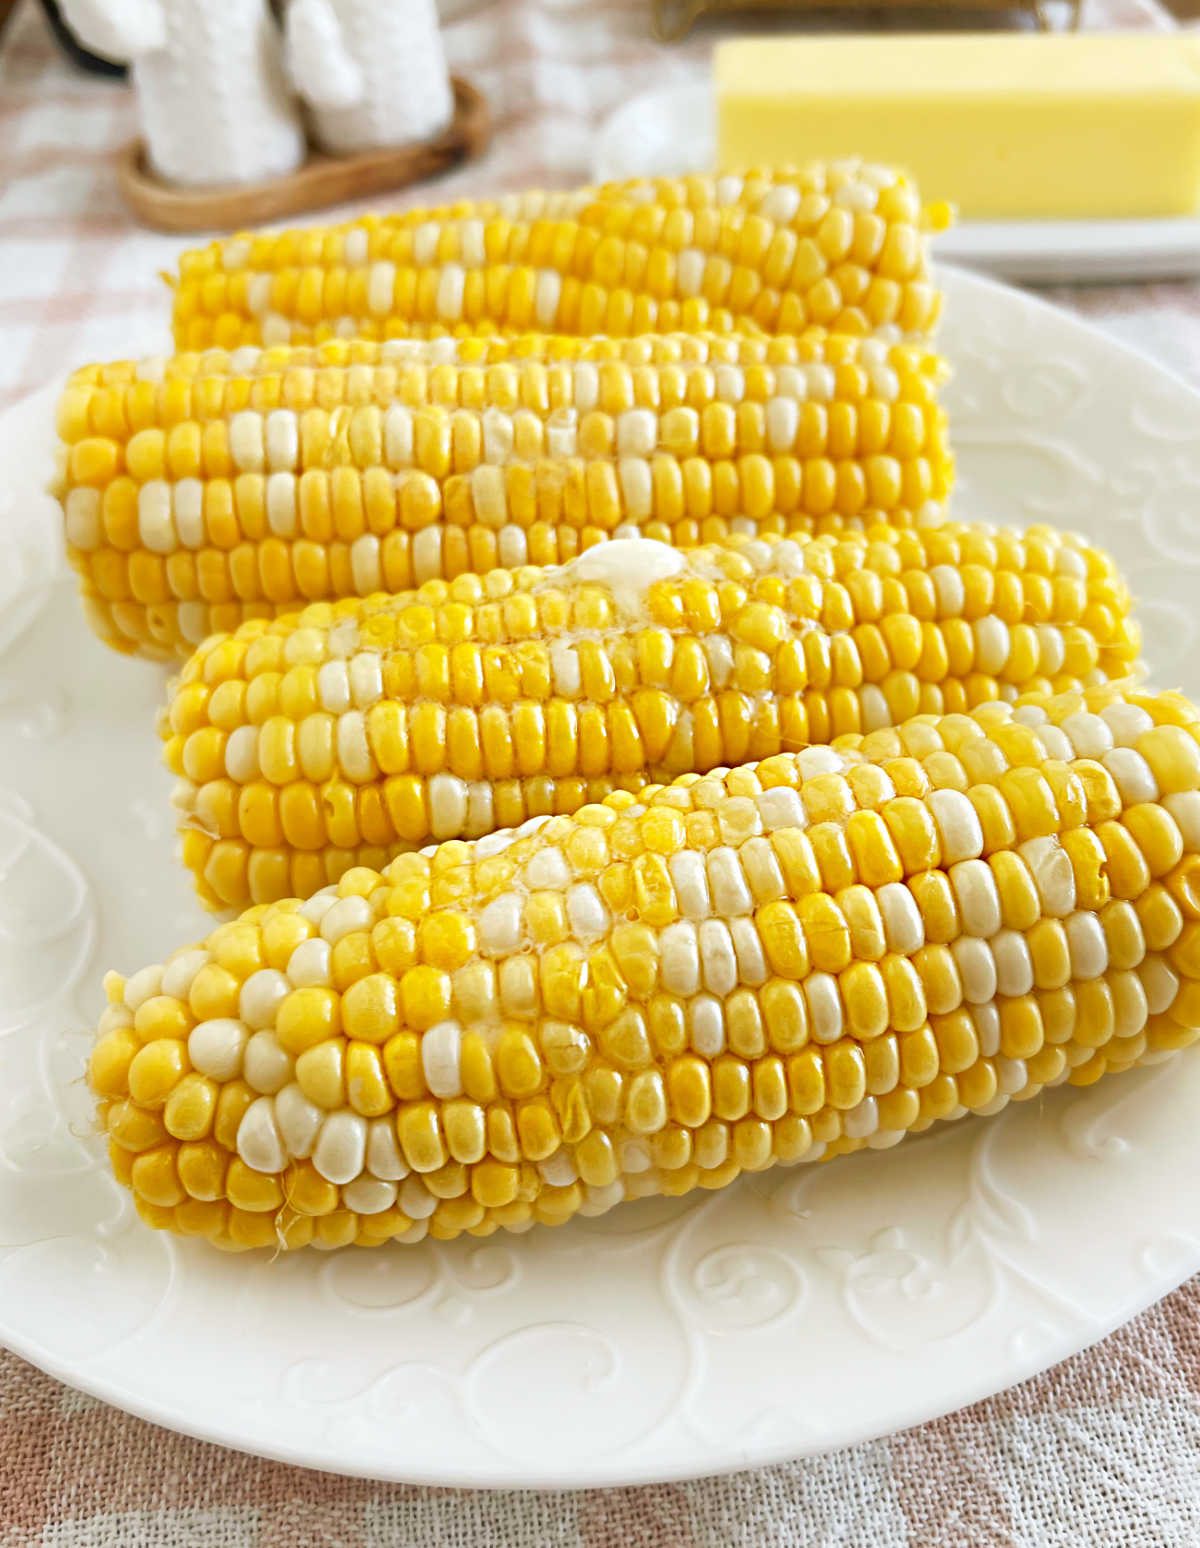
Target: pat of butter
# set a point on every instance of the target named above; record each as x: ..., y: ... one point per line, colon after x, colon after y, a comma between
x: 1002, y: 124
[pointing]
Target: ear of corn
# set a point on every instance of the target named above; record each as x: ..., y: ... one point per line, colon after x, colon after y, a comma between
x: 211, y: 488
x: 341, y: 735
x: 841, y: 246
x: 827, y: 950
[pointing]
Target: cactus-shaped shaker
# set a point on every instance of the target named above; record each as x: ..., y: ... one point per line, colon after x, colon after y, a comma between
x: 372, y: 72
x: 212, y: 93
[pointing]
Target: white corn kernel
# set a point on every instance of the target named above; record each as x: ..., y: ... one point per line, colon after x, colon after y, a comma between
x: 81, y: 509
x: 688, y: 875
x: 416, y: 1200
x: 902, y: 921
x: 143, y: 986
x: 114, y: 1018
x: 976, y: 965
x: 862, y: 1121
x: 761, y: 868
x: 987, y: 1029
x: 265, y: 1065
x: 309, y: 965
x: 1055, y: 743
x: 182, y: 968
x: 548, y: 868
x: 1014, y: 966
x: 365, y: 672
x: 1184, y: 807
x: 344, y: 917
x: 281, y: 508
x: 381, y: 286
x: 448, y: 798
x: 1090, y: 735
x: 451, y: 287
x: 1126, y: 722
x: 341, y: 1147
x: 383, y: 1153
x: 679, y: 957
x: 259, y: 1142
x: 820, y: 382
x: 546, y: 296
x: 261, y: 996
x: 717, y: 959
x: 1088, y: 945
x: 369, y: 1195
x: 282, y: 434
x: 1051, y: 650
x: 216, y: 1047
x: 747, y: 946
x: 246, y: 441
x: 558, y: 1170
x: 873, y: 708
x: 992, y: 644
x: 730, y: 894
x: 949, y: 590
x: 598, y: 1201
x: 783, y: 423
x: 824, y: 1007
x: 780, y: 203
x: 689, y: 272
x: 299, y: 1121
x: 1050, y: 867
x: 1132, y: 775
x: 1160, y: 982
x: 811, y: 761
x: 441, y: 1052
x: 156, y: 525
x: 586, y: 913
x: 366, y: 568
x: 427, y: 554
x: 398, y: 436
x: 1011, y: 1075
x: 481, y: 802
x: 781, y: 807
x: 637, y: 433
x: 241, y: 755
x: 500, y: 925
x: 353, y: 748
x: 192, y: 618
x: 958, y: 825
x: 977, y: 897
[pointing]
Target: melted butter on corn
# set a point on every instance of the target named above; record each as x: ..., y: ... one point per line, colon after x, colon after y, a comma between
x: 215, y: 487
x: 826, y: 950
x: 344, y: 734
x: 839, y: 245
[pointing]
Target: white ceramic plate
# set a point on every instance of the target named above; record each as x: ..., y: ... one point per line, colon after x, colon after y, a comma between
x: 797, y: 1311
x: 673, y: 130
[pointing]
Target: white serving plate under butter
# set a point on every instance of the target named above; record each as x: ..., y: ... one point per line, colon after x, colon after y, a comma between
x: 797, y: 1311
x: 673, y: 131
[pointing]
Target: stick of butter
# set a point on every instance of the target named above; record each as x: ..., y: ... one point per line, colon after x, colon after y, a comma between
x: 1001, y: 124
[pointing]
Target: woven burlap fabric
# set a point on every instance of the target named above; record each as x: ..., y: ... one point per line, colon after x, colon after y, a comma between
x: 1101, y: 1452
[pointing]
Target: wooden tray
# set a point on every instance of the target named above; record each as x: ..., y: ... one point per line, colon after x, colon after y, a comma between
x: 322, y: 180
x: 672, y: 20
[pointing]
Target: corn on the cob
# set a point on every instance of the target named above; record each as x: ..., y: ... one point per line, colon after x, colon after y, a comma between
x: 212, y: 488
x: 839, y: 245
x: 829, y: 949
x: 349, y: 732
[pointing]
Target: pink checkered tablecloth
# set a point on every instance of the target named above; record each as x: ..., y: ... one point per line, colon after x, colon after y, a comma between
x: 1103, y: 1450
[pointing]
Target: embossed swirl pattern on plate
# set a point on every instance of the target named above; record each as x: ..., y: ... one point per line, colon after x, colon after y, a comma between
x: 795, y: 1311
